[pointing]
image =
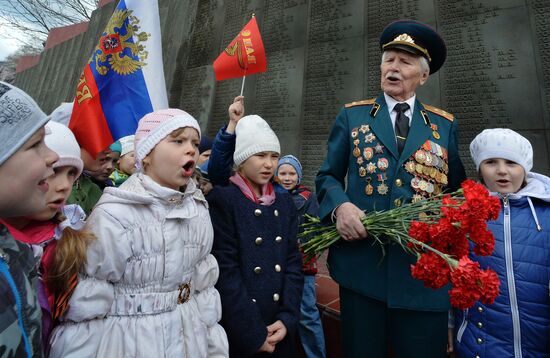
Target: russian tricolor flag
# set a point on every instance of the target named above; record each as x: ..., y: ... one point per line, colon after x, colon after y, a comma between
x: 124, y: 79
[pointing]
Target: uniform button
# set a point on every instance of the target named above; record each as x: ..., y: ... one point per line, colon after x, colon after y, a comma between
x: 398, y: 182
x: 254, y: 300
x: 478, y: 357
x: 278, y: 268
x: 479, y: 341
x: 257, y: 269
x: 276, y: 212
x: 278, y: 239
x: 480, y: 309
x: 397, y: 203
x: 276, y: 297
x: 479, y: 325
x: 257, y: 212
x: 258, y: 241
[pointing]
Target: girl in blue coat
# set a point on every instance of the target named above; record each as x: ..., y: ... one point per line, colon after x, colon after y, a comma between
x: 255, y: 243
x: 517, y: 324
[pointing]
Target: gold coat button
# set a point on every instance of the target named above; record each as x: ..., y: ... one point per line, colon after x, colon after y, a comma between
x: 397, y: 203
x: 276, y: 212
x: 257, y: 269
x: 479, y: 325
x: 278, y: 239
x: 480, y: 309
x: 278, y: 268
x: 398, y: 182
x: 257, y: 212
x: 479, y: 341
x: 258, y: 241
x: 276, y: 297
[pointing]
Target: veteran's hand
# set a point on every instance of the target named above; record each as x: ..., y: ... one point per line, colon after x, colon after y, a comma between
x: 348, y: 222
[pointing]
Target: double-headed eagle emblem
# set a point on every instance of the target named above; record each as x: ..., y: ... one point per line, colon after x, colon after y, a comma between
x: 121, y: 47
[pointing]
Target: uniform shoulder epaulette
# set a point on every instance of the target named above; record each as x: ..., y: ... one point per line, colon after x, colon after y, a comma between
x: 365, y: 102
x: 448, y: 116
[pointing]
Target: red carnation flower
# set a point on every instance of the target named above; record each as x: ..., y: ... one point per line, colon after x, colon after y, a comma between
x: 490, y: 286
x: 432, y: 269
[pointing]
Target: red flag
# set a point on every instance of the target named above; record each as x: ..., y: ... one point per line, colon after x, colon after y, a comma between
x: 245, y: 55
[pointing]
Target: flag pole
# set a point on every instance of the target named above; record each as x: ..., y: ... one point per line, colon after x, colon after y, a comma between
x: 242, y: 86
x: 244, y: 77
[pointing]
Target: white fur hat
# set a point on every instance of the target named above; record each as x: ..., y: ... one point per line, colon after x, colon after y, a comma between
x: 502, y: 143
x: 61, y: 140
x: 254, y: 136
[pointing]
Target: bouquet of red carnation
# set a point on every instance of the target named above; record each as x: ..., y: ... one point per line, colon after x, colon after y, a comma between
x: 438, y: 231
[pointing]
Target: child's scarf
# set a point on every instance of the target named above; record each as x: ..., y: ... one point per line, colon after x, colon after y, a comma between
x: 268, y: 195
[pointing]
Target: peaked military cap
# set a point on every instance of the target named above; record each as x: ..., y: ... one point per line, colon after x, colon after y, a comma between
x: 417, y: 38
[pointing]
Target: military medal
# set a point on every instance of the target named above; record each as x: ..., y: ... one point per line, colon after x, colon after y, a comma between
x: 356, y: 142
x: 423, y: 185
x: 382, y: 187
x: 416, y: 198
x: 429, y: 187
x: 365, y: 128
x: 410, y: 167
x: 379, y: 148
x: 360, y: 160
x: 371, y: 167
x: 415, y: 183
x: 369, y: 138
x: 383, y: 164
x: 428, y: 160
x: 419, y: 168
x: 368, y: 152
x: 354, y: 133
x: 356, y: 152
x: 420, y: 156
x: 362, y: 172
x: 435, y: 133
x: 369, y: 189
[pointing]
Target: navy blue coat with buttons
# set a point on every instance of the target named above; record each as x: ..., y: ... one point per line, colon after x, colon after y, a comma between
x: 260, y: 268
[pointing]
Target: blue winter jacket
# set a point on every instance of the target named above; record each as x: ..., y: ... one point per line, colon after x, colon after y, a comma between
x: 517, y: 324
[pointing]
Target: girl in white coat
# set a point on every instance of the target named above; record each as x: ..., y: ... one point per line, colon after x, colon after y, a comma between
x: 147, y: 289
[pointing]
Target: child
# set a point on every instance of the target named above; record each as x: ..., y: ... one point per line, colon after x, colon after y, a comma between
x: 518, y: 322
x: 147, y: 289
x: 25, y: 163
x: 88, y: 188
x: 126, y: 164
x: 310, y: 329
x: 255, y: 244
x: 53, y: 233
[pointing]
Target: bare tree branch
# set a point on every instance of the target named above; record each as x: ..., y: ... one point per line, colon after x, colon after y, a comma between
x: 32, y: 20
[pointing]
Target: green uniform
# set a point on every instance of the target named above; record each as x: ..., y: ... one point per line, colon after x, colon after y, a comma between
x: 362, y: 147
x: 85, y: 193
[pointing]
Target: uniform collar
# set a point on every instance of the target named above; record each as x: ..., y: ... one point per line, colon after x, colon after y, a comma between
x: 391, y: 102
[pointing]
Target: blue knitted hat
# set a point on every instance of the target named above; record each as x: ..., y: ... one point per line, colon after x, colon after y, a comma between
x: 292, y: 160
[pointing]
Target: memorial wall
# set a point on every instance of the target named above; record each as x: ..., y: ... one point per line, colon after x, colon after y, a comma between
x: 322, y: 54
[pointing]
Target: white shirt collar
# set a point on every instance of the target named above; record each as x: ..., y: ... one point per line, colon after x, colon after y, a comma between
x: 391, y: 102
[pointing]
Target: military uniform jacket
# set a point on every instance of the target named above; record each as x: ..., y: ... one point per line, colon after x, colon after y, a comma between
x: 260, y: 268
x: 362, y: 146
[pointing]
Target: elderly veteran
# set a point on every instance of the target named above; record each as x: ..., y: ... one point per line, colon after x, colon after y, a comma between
x: 393, y: 150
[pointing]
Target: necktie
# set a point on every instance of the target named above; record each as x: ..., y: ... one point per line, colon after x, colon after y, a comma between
x: 401, y: 125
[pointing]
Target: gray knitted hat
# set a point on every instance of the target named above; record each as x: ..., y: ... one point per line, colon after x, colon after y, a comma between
x: 20, y: 118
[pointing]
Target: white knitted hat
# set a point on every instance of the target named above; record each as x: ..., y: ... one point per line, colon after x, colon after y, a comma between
x: 502, y: 143
x: 127, y: 144
x: 62, y: 114
x: 154, y: 127
x: 61, y: 140
x: 254, y: 136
